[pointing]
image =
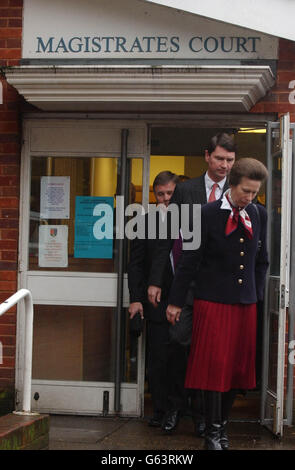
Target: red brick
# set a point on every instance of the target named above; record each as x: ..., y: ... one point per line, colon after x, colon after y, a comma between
x: 285, y: 77
x: 15, y: 22
x: 9, y: 138
x: 9, y: 191
x: 7, y: 340
x: 8, y: 244
x: 9, y: 285
x: 14, y: 43
x: 8, y: 266
x: 9, y: 180
x: 10, y: 170
x: 9, y: 213
x: 286, y: 50
x: 8, y: 115
x: 9, y: 235
x: 11, y: 33
x: 8, y: 362
x: 8, y: 223
x: 6, y: 373
x: 6, y: 330
x: 8, y: 202
x: 8, y: 275
x: 9, y: 126
x: 16, y: 3
x: 287, y: 65
x: 10, y: 147
x: 11, y: 12
x: 8, y: 255
x: 9, y: 317
x: 8, y: 351
x: 271, y: 97
x: 284, y: 97
x: 10, y: 54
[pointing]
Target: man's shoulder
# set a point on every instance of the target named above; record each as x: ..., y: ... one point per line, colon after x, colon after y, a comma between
x: 191, y: 185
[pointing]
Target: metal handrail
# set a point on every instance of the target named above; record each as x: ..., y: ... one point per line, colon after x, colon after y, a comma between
x: 29, y: 315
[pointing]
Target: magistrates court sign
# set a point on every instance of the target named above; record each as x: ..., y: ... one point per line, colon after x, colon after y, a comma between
x: 132, y: 29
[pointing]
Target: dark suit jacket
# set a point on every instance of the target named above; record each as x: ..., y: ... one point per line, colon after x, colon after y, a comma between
x: 190, y: 192
x: 141, y: 258
x: 227, y: 269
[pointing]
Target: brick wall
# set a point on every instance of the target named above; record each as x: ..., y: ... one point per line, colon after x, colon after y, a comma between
x: 277, y: 100
x: 10, y: 53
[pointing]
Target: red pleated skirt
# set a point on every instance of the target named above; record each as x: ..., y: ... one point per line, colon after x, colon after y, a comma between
x: 223, y: 347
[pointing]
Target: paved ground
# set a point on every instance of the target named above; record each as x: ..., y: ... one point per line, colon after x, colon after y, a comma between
x: 96, y: 433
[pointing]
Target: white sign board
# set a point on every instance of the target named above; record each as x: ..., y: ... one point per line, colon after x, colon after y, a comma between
x: 132, y: 29
x: 53, y: 246
x: 55, y: 197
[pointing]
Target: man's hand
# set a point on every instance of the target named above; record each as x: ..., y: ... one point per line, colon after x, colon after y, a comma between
x: 135, y: 307
x: 173, y: 313
x: 154, y: 295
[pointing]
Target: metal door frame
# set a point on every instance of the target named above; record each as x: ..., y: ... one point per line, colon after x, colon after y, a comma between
x: 286, y: 298
x: 118, y: 390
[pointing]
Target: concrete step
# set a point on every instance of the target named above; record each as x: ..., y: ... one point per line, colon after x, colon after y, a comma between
x: 21, y: 432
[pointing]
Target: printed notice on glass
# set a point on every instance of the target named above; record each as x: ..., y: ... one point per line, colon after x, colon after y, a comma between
x: 55, y: 197
x: 94, y: 218
x: 53, y: 246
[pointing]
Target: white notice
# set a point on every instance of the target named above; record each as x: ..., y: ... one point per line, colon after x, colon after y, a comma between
x: 55, y: 197
x: 53, y: 246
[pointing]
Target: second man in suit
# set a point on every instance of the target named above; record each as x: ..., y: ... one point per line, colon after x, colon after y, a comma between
x: 166, y: 383
x: 220, y: 157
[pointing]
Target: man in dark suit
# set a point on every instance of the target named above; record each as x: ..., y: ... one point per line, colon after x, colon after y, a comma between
x: 166, y: 384
x: 220, y: 157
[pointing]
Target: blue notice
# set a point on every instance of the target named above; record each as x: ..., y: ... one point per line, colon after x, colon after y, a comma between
x: 94, y: 222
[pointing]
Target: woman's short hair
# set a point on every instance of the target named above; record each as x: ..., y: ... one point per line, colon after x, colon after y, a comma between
x: 248, y: 168
x: 164, y: 178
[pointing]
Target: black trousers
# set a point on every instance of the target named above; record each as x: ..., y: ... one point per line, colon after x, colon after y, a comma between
x: 166, y: 368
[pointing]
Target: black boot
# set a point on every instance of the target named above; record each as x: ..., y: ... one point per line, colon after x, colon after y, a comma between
x: 198, y: 412
x: 228, y: 399
x: 213, y: 420
x: 171, y: 420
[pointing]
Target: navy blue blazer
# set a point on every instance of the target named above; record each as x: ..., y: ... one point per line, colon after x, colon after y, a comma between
x: 227, y: 269
x: 190, y: 192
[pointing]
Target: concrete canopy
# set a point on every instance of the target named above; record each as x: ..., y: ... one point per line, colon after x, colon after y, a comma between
x: 206, y: 88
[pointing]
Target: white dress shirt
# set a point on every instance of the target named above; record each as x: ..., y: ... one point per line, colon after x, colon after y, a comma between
x: 209, y: 184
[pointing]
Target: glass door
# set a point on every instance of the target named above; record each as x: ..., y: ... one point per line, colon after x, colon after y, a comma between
x: 279, y: 205
x: 73, y: 260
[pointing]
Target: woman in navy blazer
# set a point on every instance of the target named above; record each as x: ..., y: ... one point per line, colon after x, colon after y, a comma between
x: 229, y: 270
